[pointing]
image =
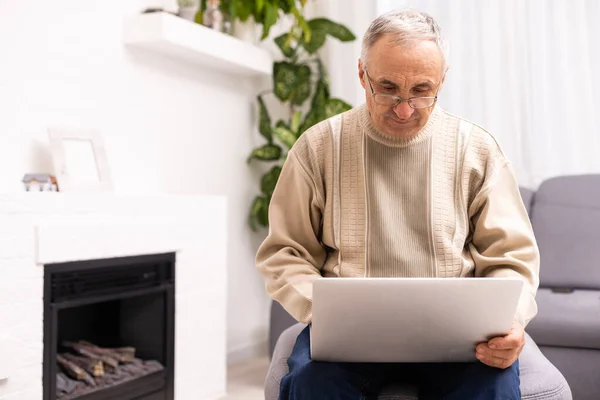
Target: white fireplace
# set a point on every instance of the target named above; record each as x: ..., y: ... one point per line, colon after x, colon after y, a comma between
x: 45, y: 228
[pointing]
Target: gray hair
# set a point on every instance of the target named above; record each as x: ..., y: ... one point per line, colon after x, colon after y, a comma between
x: 407, y: 26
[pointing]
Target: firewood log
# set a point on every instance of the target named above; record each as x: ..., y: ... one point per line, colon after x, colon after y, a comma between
x: 88, y: 352
x: 75, y: 371
x: 122, y: 354
x: 94, y: 367
x: 64, y: 384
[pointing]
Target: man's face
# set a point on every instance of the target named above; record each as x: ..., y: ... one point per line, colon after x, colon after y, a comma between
x: 414, y: 71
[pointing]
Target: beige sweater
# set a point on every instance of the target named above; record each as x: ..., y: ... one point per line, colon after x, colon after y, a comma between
x: 352, y: 202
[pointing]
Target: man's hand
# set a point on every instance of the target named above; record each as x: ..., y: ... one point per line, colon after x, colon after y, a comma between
x: 502, y: 352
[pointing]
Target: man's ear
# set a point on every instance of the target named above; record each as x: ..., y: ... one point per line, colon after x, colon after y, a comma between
x: 361, y: 74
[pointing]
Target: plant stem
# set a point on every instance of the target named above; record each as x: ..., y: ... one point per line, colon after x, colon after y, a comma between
x: 269, y: 91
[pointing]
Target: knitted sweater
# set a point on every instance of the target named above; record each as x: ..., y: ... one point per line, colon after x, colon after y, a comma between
x: 354, y: 202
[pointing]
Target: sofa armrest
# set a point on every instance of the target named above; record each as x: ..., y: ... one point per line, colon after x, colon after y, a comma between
x: 280, y: 321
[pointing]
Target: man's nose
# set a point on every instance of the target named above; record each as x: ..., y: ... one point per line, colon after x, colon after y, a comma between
x: 403, y: 110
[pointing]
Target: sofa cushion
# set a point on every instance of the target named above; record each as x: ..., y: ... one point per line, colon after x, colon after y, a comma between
x: 527, y: 196
x: 567, y: 319
x: 566, y: 220
x: 579, y: 367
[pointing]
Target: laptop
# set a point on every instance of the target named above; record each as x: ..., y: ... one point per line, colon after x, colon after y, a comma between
x: 409, y: 319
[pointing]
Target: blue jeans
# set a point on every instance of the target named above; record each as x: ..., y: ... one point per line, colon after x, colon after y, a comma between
x: 312, y: 380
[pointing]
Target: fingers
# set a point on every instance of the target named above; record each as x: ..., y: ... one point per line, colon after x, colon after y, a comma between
x: 514, y: 340
x: 485, y: 351
x: 502, y: 352
x: 498, y: 362
x: 496, y: 358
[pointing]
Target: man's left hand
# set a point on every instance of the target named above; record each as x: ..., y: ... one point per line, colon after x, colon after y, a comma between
x: 502, y: 352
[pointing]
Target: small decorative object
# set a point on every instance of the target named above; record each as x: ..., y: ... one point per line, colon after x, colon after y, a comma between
x: 79, y: 160
x: 188, y: 9
x: 169, y: 6
x: 213, y: 17
x: 40, y: 183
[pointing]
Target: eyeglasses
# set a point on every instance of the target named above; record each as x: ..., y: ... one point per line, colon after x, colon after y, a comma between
x: 391, y: 100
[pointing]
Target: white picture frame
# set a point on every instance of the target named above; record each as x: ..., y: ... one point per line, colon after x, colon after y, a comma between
x: 79, y: 160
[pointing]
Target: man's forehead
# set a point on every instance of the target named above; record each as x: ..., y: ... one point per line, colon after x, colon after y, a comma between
x: 422, y: 58
x: 404, y: 75
x: 416, y: 81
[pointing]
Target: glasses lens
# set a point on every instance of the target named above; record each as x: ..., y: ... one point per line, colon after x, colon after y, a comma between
x: 421, y: 102
x: 386, y: 100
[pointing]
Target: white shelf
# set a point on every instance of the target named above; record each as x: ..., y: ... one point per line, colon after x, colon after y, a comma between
x: 172, y: 36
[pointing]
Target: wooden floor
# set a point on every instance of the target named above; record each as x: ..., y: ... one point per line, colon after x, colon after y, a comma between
x: 246, y: 381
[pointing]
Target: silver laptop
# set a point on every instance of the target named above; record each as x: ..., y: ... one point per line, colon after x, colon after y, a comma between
x: 409, y: 319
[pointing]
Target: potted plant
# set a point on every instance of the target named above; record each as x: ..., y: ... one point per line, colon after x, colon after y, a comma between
x: 300, y: 81
x: 263, y: 12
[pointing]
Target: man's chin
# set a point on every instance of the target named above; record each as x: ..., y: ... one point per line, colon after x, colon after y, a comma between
x: 399, y: 128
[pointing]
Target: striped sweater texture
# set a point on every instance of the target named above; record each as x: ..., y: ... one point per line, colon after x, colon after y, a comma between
x: 353, y: 202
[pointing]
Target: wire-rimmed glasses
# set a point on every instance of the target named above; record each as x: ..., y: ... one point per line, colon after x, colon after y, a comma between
x: 391, y: 100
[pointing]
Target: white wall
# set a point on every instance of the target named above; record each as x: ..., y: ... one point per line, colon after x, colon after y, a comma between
x: 168, y: 127
x: 527, y: 72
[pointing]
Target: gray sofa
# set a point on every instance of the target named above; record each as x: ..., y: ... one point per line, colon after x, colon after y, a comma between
x: 565, y: 214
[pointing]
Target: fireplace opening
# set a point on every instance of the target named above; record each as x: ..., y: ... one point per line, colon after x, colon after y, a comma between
x: 109, y: 329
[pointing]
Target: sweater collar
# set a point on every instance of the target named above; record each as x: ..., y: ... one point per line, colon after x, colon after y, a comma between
x: 423, y: 134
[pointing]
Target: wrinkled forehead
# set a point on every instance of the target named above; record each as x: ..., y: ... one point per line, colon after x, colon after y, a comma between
x: 419, y: 58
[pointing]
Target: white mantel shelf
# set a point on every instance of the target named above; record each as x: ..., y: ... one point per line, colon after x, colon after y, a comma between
x: 172, y: 36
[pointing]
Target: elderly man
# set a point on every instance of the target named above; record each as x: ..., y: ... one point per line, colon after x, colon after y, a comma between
x: 399, y: 188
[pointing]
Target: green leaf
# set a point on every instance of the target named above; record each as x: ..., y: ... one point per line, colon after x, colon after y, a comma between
x: 231, y: 9
x: 285, y: 5
x: 317, y: 40
x: 296, y: 120
x: 268, y: 152
x: 284, y: 42
x: 264, y: 124
x: 312, y: 118
x: 335, y: 107
x: 281, y: 124
x: 286, y: 136
x: 336, y: 30
x: 259, y: 212
x: 269, y: 181
x: 306, y: 31
x: 320, y: 28
x: 302, y: 91
x: 270, y: 19
x: 285, y: 80
x: 317, y: 111
x: 198, y: 18
x: 244, y: 9
x: 263, y: 212
x: 258, y: 6
x: 320, y: 98
x: 323, y: 77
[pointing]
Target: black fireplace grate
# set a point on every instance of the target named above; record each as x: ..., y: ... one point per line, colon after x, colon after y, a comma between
x: 105, y: 280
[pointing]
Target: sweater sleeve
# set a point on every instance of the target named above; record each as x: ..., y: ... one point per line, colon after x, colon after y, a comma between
x: 503, y: 243
x: 291, y: 257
